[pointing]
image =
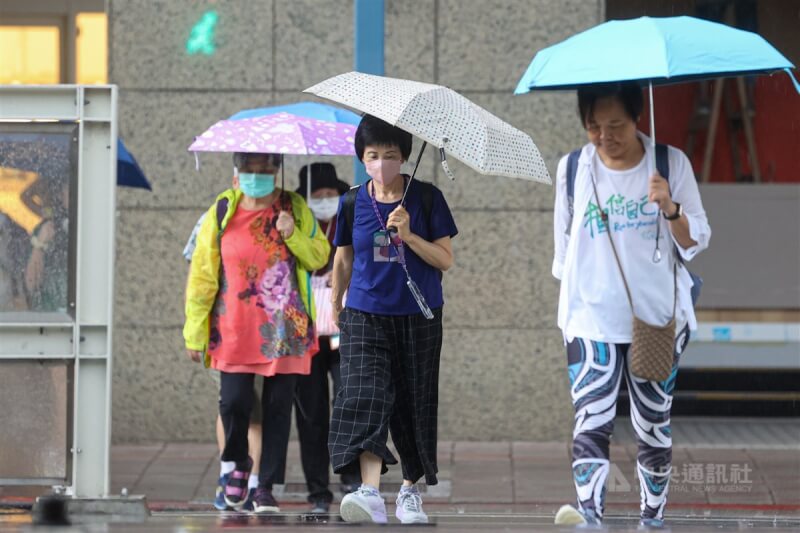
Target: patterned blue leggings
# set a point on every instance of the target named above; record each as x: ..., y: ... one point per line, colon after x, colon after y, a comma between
x: 595, y: 369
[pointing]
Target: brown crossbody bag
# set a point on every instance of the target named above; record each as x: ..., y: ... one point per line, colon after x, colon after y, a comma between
x: 652, y: 349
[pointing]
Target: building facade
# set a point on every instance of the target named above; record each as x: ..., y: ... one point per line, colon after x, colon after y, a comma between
x: 503, y: 373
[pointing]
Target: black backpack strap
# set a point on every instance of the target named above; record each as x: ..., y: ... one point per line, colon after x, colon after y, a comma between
x: 222, y: 210
x: 427, y: 200
x: 426, y: 191
x: 349, y: 207
x: 572, y: 171
x: 662, y: 160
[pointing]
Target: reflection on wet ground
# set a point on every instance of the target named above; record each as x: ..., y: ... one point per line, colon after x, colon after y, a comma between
x: 185, y: 522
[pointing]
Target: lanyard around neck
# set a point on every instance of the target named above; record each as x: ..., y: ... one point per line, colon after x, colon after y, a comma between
x: 398, y: 246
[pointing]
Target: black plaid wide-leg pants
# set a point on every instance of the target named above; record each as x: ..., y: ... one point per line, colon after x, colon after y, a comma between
x: 390, y: 382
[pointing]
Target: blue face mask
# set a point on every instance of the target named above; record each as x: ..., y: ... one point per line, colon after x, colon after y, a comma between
x: 256, y: 185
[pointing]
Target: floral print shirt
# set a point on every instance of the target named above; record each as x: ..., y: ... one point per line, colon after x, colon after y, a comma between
x: 259, y: 323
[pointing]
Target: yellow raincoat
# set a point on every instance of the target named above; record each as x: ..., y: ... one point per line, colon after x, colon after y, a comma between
x: 309, y: 246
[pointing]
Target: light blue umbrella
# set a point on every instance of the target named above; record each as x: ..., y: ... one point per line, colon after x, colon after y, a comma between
x: 655, y: 51
x: 315, y: 110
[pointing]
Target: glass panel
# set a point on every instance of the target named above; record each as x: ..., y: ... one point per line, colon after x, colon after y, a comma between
x: 31, y: 54
x: 92, y: 48
x: 36, y: 173
x: 36, y: 400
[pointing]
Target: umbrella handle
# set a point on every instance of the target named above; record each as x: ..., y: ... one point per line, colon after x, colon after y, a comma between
x: 445, y: 166
x: 393, y: 229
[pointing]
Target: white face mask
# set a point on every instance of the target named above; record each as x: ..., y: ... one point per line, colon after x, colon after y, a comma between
x: 324, y: 208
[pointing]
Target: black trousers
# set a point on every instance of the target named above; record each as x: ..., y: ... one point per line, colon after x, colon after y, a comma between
x: 235, y: 404
x: 312, y: 404
x: 390, y: 383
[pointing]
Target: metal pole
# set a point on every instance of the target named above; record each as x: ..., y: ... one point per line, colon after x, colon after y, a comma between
x: 369, y: 56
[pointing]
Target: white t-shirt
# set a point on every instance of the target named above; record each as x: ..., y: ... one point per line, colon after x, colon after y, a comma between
x: 593, y: 303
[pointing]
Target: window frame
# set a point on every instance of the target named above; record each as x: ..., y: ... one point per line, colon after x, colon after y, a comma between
x: 60, y: 13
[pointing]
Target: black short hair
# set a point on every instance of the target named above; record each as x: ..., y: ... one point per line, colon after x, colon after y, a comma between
x: 375, y: 132
x: 628, y: 93
x: 239, y: 158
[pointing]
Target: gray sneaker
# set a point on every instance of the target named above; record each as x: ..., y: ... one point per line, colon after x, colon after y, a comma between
x: 409, y: 507
x: 363, y: 505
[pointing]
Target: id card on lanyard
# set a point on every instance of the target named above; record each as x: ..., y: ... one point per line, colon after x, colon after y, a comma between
x: 396, y: 243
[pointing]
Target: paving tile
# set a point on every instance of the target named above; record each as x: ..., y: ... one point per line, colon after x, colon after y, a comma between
x: 776, y: 457
x: 746, y: 498
x: 686, y: 494
x: 536, y: 483
x: 544, y: 454
x: 188, y: 451
x: 620, y: 452
x: 177, y: 468
x: 489, y: 481
x: 118, y: 482
x: 444, y: 453
x: 168, y: 487
x: 702, y: 455
x: 482, y: 451
x: 126, y: 468
x: 786, y: 498
x: 145, y: 452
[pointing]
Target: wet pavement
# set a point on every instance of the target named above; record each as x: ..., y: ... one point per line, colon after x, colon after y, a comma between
x: 742, y: 475
x: 442, y: 520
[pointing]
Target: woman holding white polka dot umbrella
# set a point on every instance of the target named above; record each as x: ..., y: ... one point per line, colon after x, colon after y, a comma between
x: 391, y: 328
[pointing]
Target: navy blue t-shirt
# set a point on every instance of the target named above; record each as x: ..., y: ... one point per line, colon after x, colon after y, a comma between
x: 378, y: 284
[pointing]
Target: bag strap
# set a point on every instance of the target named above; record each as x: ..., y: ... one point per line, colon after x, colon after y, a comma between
x: 572, y: 171
x: 662, y: 165
x: 349, y: 207
x: 604, y: 218
x: 662, y: 160
x: 222, y: 210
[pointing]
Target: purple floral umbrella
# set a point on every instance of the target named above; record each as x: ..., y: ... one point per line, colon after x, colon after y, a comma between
x: 281, y: 133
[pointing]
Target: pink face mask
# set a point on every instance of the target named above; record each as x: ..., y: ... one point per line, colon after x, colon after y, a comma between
x: 384, y: 171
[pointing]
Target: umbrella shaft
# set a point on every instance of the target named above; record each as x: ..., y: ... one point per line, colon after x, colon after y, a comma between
x: 419, y: 159
x: 652, y: 127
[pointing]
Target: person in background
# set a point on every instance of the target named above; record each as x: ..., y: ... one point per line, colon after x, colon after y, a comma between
x: 46, y: 271
x: 16, y: 248
x: 250, y: 311
x: 312, y: 400
x: 254, y: 431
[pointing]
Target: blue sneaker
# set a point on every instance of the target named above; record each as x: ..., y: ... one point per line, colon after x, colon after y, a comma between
x: 568, y: 515
x: 219, y: 498
x: 249, y: 506
x: 650, y: 523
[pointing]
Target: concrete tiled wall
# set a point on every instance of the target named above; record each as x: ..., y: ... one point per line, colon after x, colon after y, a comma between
x: 503, y: 374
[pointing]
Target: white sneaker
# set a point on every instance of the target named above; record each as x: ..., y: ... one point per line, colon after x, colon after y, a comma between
x: 568, y: 515
x: 363, y: 505
x: 409, y: 507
